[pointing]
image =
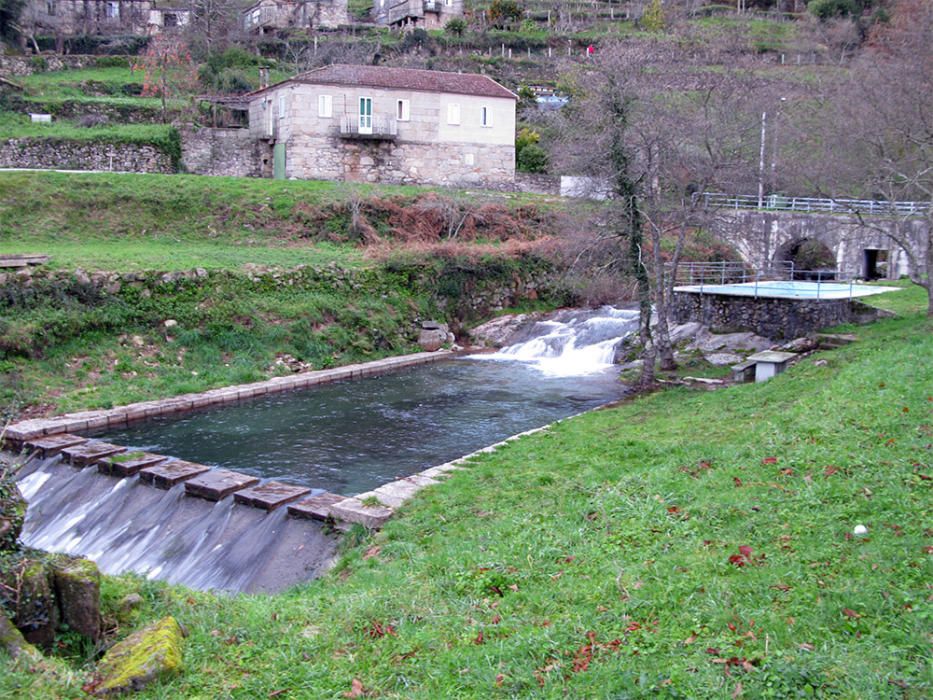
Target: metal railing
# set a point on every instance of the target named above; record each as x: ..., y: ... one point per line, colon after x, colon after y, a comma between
x: 719, y: 200
x: 709, y: 276
x: 381, y: 128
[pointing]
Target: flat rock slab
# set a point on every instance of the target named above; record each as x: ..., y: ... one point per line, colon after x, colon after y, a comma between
x: 315, y: 508
x: 354, y: 510
x: 128, y: 463
x: 53, y: 444
x: 217, y: 484
x: 89, y: 452
x: 270, y: 495
x: 167, y: 474
x: 773, y: 356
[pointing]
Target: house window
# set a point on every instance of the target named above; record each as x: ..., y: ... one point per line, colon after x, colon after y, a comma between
x: 468, y: 159
x: 453, y: 114
x: 403, y: 110
x: 50, y: 7
x: 169, y: 19
x: 254, y: 17
x: 449, y: 3
x: 486, y: 119
x: 282, y: 106
x: 113, y: 10
x: 325, y: 106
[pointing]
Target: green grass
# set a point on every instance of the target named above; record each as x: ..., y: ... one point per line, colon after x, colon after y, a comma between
x: 19, y: 126
x: 601, y: 558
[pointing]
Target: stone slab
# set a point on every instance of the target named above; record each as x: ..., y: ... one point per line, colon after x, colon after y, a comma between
x: 217, y: 484
x: 352, y: 510
x: 773, y: 356
x: 167, y: 474
x: 317, y: 507
x: 128, y: 463
x: 53, y: 444
x: 270, y: 495
x: 395, y: 493
x: 89, y: 452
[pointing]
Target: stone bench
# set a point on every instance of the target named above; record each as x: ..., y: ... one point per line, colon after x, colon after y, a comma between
x: 770, y: 363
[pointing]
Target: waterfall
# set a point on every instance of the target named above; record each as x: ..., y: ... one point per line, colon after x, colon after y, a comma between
x: 572, y: 342
x: 125, y: 525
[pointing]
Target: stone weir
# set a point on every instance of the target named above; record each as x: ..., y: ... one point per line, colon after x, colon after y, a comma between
x: 59, y: 436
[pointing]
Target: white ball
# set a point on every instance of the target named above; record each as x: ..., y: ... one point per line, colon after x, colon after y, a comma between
x: 860, y: 530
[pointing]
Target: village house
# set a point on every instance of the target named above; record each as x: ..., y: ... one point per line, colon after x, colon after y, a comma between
x: 382, y: 124
x: 268, y: 16
x: 411, y: 14
x: 68, y: 18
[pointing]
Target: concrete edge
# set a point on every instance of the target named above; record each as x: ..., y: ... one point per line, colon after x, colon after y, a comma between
x: 18, y: 433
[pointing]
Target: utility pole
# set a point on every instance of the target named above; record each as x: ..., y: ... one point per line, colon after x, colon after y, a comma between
x: 761, y: 162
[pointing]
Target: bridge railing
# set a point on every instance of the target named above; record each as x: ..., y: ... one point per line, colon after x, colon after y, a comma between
x: 779, y: 202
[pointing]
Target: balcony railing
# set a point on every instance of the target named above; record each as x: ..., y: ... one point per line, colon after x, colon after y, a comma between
x: 382, y: 127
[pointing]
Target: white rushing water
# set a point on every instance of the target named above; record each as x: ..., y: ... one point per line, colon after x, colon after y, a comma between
x: 572, y: 343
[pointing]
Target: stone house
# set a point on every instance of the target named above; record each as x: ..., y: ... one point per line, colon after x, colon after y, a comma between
x: 410, y: 14
x: 382, y: 124
x: 66, y: 18
x: 268, y: 16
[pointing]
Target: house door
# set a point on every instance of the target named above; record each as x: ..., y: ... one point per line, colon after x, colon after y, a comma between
x: 278, y: 161
x: 366, y: 115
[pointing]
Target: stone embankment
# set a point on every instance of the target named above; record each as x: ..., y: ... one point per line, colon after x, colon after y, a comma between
x: 83, y: 155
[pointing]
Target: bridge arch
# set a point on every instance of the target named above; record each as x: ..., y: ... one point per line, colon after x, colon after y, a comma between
x: 809, y: 256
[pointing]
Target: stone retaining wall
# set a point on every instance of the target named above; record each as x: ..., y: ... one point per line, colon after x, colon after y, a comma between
x: 771, y: 318
x: 84, y: 421
x: 27, y: 65
x: 83, y: 155
x: 231, y: 152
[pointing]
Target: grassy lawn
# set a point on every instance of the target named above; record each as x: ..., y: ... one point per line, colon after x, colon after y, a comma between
x: 687, y: 544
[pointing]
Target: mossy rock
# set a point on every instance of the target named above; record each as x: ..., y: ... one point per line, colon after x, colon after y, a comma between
x: 77, y: 587
x: 12, y: 513
x: 149, y: 654
x: 12, y: 640
x: 37, y: 609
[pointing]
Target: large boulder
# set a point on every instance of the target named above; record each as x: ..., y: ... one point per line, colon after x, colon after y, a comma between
x: 77, y: 587
x: 151, y: 653
x: 12, y: 641
x: 36, y: 613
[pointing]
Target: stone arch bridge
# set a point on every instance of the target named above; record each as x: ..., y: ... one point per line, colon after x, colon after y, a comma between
x: 764, y: 238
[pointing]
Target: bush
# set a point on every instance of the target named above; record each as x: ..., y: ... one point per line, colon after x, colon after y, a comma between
x: 827, y: 9
x: 532, y: 159
x: 457, y: 26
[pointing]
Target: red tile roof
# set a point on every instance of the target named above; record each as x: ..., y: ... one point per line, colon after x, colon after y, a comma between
x: 401, y: 79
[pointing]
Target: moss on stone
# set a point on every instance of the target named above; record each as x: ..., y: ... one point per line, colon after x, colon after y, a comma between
x: 12, y: 512
x: 77, y: 586
x: 12, y: 640
x: 151, y: 653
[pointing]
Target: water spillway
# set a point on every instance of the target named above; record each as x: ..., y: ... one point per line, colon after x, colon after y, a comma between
x: 342, y: 438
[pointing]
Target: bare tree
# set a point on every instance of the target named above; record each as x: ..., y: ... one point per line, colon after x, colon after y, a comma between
x: 656, y: 146
x: 878, y: 136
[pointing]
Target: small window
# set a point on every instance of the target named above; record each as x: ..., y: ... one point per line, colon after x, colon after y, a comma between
x: 169, y: 19
x: 325, y: 106
x: 50, y: 7
x: 468, y: 159
x: 113, y: 10
x: 453, y: 114
x: 282, y: 106
x: 486, y: 116
x: 403, y: 110
x: 449, y: 3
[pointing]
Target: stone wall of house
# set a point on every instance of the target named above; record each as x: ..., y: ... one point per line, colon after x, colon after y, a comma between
x: 83, y: 155
x: 231, y: 152
x: 771, y: 318
x: 332, y: 158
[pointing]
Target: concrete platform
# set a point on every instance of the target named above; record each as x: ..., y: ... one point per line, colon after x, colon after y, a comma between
x: 167, y: 474
x: 128, y: 463
x: 53, y: 444
x: 270, y: 495
x: 317, y: 507
x: 89, y: 453
x: 217, y: 484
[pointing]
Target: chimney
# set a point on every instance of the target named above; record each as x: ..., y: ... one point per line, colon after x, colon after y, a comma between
x: 263, y: 78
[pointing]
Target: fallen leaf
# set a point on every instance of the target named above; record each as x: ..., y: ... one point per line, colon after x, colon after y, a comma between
x: 479, y: 638
x: 849, y: 612
x: 736, y: 481
x: 372, y: 552
x: 737, y: 693
x: 499, y: 679
x: 806, y: 646
x: 276, y: 693
x: 356, y: 689
x: 829, y: 471
x: 769, y: 460
x: 691, y: 639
